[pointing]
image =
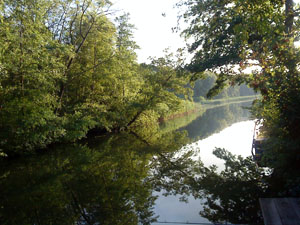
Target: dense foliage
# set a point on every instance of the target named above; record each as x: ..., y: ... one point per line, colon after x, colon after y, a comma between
x: 253, y: 42
x: 207, y: 81
x: 66, y: 68
x: 104, y: 180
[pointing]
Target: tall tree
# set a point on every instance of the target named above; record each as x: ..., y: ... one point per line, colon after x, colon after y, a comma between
x: 42, y: 44
x: 30, y: 67
x: 126, y: 55
x: 234, y: 37
x: 71, y: 23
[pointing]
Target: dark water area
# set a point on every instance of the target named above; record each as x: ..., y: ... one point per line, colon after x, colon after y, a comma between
x: 111, y: 180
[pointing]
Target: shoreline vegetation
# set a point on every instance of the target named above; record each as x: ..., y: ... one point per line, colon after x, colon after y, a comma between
x: 189, y: 110
x: 178, y: 120
x: 68, y: 68
x: 74, y: 71
x: 248, y: 34
x: 195, y: 107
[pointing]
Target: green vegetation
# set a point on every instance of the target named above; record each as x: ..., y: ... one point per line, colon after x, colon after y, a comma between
x: 253, y: 42
x: 207, y: 81
x: 65, y: 68
x: 111, y: 179
x: 200, y: 102
x: 80, y: 185
x: 205, y: 118
x: 217, y: 118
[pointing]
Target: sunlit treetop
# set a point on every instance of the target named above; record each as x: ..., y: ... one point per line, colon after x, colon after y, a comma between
x: 232, y: 35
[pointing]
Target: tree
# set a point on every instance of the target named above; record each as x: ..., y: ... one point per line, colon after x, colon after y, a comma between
x: 30, y: 67
x: 162, y: 83
x: 66, y: 69
x: 83, y: 27
x: 88, y: 84
x: 126, y: 59
x: 232, y: 37
x: 56, y: 66
x: 124, y: 80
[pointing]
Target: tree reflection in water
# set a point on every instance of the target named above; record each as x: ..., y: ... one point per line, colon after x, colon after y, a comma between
x: 228, y: 196
x: 108, y: 181
x: 79, y: 185
x: 111, y: 180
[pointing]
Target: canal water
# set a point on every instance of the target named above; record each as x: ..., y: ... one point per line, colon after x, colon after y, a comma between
x: 236, y: 138
x: 117, y: 179
x: 226, y: 127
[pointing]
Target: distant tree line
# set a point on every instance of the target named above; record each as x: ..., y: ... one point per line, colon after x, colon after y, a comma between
x: 202, y: 87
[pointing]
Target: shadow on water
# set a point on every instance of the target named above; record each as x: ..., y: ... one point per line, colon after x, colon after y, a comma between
x: 110, y: 180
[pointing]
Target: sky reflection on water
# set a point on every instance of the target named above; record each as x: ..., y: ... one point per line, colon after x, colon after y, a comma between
x: 236, y: 138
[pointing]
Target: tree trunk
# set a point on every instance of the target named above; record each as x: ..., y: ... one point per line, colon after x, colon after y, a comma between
x: 289, y: 20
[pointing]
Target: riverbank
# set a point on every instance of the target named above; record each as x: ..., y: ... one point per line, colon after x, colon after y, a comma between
x: 196, y: 107
x: 229, y: 100
x: 115, y: 170
x: 185, y: 119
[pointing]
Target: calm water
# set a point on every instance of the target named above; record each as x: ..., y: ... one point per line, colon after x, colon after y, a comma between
x: 227, y: 127
x: 114, y: 179
x: 237, y: 138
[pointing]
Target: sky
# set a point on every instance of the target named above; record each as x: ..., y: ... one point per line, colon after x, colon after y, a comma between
x: 153, y: 31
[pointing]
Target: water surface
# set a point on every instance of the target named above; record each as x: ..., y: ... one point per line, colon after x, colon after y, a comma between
x: 216, y: 127
x: 111, y: 179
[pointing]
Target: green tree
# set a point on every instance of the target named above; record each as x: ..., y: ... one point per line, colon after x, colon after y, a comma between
x: 66, y: 69
x: 124, y: 81
x: 233, y: 36
x: 89, y: 78
x: 29, y: 68
x: 164, y: 84
x: 84, y: 28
